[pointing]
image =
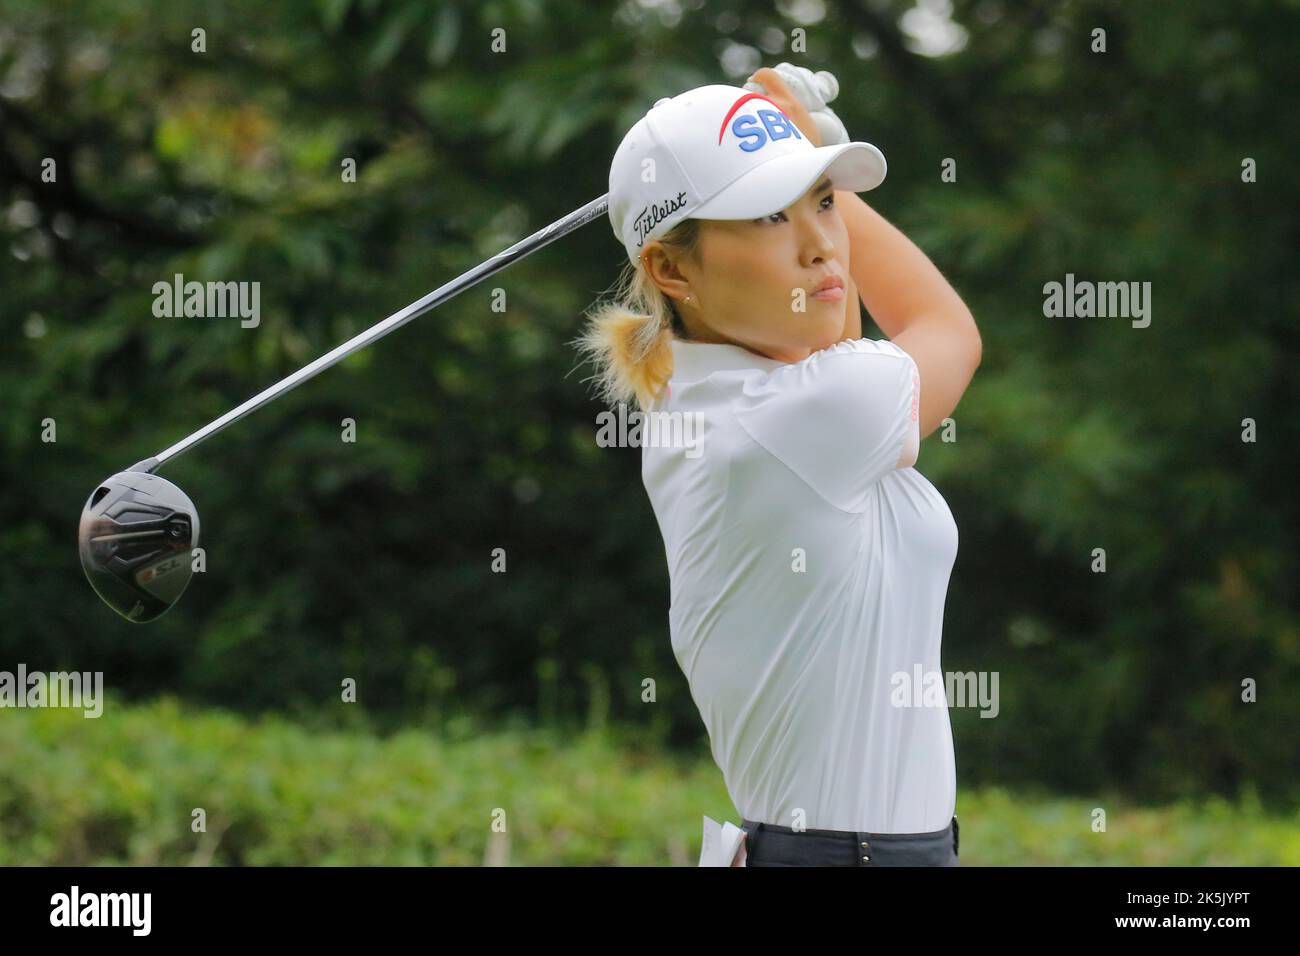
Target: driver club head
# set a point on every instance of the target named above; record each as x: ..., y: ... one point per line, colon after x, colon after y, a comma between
x: 135, y: 538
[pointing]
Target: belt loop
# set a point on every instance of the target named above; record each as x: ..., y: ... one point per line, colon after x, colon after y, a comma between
x: 863, y: 848
x: 956, y: 832
x: 751, y: 834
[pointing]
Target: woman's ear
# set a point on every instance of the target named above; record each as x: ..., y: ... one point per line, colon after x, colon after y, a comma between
x: 664, y: 273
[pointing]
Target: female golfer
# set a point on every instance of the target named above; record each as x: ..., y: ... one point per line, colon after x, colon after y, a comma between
x: 808, y: 559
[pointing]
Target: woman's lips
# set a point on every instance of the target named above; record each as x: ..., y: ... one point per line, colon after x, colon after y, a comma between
x: 830, y: 289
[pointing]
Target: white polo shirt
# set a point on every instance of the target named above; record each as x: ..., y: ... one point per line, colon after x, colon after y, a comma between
x: 808, y: 566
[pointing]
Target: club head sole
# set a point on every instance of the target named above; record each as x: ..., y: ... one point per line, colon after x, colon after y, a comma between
x: 135, y: 537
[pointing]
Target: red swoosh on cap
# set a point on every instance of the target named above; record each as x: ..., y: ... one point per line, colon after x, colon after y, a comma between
x: 737, y: 105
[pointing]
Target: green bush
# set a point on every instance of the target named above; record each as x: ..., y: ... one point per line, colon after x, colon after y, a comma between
x: 121, y: 790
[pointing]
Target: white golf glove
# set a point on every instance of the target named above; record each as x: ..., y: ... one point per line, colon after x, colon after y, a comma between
x: 814, y: 91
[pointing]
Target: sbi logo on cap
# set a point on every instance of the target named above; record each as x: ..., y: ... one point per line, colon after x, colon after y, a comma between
x: 756, y: 131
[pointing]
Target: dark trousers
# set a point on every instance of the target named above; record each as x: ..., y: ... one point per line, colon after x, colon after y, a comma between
x: 769, y: 845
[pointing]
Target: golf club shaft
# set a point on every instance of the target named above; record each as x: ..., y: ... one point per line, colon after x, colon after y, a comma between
x: 579, y: 217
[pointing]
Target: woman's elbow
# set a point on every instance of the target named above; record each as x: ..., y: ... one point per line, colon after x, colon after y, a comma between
x: 975, y: 343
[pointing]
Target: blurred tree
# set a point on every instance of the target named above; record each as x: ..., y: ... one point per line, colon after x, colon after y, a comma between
x: 475, y: 432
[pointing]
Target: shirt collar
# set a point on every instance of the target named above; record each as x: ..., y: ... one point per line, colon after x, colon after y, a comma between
x: 693, y: 361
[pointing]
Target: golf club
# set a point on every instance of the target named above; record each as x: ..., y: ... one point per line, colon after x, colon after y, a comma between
x: 138, y: 531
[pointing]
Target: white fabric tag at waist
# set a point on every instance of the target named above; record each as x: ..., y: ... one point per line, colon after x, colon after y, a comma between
x: 723, y: 844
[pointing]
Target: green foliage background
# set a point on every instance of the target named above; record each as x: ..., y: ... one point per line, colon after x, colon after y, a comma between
x: 475, y: 429
x: 123, y: 790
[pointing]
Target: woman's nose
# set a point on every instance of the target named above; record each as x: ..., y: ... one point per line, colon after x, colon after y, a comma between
x: 817, y: 243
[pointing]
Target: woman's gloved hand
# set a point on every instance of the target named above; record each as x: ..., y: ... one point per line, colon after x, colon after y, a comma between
x: 803, y: 95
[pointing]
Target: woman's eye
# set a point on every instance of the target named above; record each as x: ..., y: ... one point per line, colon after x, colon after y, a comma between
x: 827, y: 202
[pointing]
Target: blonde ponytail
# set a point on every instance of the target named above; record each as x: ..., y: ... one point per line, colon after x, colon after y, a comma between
x: 629, y: 338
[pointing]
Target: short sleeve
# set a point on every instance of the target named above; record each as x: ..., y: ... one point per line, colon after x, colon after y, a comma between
x: 841, y: 419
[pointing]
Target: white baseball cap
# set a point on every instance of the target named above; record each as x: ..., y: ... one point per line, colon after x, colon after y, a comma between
x: 721, y: 152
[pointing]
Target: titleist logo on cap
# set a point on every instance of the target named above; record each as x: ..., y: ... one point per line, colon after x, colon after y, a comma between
x: 655, y: 213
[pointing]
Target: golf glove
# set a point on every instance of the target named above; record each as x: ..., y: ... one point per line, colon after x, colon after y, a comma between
x: 814, y: 91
